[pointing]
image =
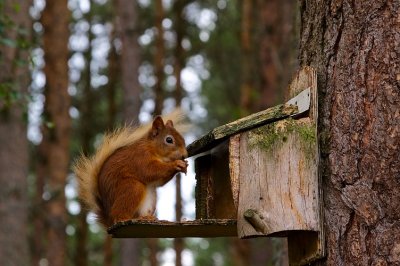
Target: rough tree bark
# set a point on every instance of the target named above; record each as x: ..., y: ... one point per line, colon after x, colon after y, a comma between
x: 57, y: 124
x: 355, y: 47
x: 14, y: 81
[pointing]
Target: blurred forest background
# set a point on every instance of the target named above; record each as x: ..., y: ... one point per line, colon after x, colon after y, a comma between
x: 74, y: 69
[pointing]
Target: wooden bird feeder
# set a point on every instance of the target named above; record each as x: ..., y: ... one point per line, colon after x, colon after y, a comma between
x: 257, y: 176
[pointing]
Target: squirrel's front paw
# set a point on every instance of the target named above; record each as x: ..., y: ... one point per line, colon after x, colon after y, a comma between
x: 181, y: 166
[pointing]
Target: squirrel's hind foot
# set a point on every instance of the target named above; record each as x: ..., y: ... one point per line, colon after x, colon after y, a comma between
x: 147, y: 218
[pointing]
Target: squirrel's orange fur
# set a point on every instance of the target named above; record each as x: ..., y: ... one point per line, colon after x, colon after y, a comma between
x: 118, y: 182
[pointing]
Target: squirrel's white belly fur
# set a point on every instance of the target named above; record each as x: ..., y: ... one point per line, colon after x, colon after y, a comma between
x: 148, y: 204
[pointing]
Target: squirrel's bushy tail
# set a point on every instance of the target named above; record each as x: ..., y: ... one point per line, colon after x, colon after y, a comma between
x: 87, y: 168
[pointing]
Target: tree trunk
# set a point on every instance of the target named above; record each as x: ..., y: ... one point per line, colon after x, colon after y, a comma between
x: 179, y: 24
x: 14, y: 81
x: 130, y: 60
x: 354, y: 45
x: 179, y: 243
x: 81, y: 238
x: 247, y: 57
x: 127, y: 27
x: 37, y: 210
x: 152, y: 245
x: 108, y: 251
x: 113, y: 70
x: 86, y: 137
x: 130, y: 252
x: 57, y: 124
x: 159, y: 58
x: 278, y: 38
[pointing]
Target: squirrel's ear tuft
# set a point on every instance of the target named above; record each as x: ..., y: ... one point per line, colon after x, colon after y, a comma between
x: 158, y: 125
x: 169, y: 123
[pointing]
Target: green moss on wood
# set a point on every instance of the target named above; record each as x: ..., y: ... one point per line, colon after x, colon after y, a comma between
x: 268, y: 136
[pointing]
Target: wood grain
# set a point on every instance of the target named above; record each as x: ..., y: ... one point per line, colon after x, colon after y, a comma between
x: 234, y: 164
x: 279, y: 179
x: 214, y: 192
x: 279, y: 183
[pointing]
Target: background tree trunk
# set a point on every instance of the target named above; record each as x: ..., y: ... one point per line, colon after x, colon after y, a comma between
x: 127, y: 27
x: 14, y: 81
x: 179, y: 25
x: 130, y: 62
x: 247, y: 86
x: 57, y: 124
x: 152, y: 245
x: 86, y: 137
x: 159, y: 58
x: 354, y: 45
x: 113, y: 78
x: 108, y: 251
x: 37, y: 210
x: 179, y: 243
x: 278, y: 49
x: 130, y: 252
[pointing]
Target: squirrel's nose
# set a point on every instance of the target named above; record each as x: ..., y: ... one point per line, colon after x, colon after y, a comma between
x: 184, y: 155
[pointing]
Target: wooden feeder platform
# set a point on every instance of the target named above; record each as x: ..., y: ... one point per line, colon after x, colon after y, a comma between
x: 167, y: 229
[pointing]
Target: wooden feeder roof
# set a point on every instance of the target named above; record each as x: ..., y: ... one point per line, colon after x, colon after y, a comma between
x: 295, y: 107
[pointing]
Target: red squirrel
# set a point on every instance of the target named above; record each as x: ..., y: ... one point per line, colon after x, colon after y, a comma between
x: 119, y: 182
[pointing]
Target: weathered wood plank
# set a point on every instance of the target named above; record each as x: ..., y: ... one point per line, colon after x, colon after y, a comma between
x: 203, y: 194
x: 219, y: 134
x: 300, y: 251
x: 234, y: 164
x: 214, y: 195
x: 167, y: 229
x: 279, y: 180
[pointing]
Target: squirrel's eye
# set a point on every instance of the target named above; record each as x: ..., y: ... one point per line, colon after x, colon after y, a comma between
x: 169, y: 140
